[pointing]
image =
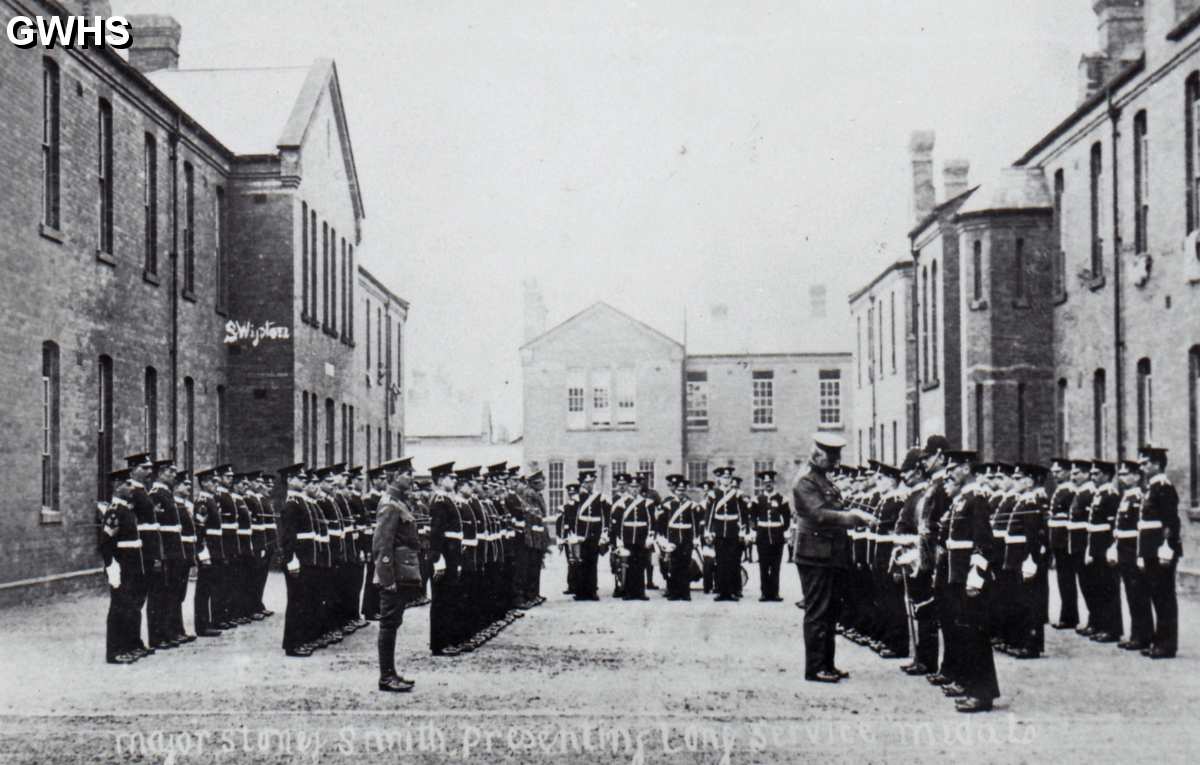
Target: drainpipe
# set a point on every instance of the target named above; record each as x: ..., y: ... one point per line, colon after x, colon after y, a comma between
x: 1114, y: 116
x: 174, y: 142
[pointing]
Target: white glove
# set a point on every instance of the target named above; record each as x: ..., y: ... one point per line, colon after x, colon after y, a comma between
x: 1110, y: 557
x: 1141, y: 564
x: 979, y: 562
x: 1089, y: 559
x: 1029, y: 569
x: 113, y: 572
x: 204, y: 556
x: 439, y: 566
x: 1165, y: 554
x: 293, y: 565
x: 974, y: 582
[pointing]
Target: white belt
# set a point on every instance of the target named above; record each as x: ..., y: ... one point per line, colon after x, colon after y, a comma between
x: 959, y: 544
x: 904, y: 539
x: 1014, y: 539
x: 257, y: 527
x: 870, y: 535
x: 132, y: 544
x: 147, y: 527
x: 770, y: 524
x: 271, y: 526
x: 882, y: 538
x: 679, y: 526
x: 999, y: 534
x: 229, y: 526
x: 169, y: 529
x: 453, y: 535
x: 323, y: 538
x: 188, y: 539
x: 470, y: 543
x: 1125, y: 533
x: 537, y: 528
x: 1095, y: 528
x: 510, y: 534
x: 1077, y: 525
x: 590, y: 518
x: 243, y: 532
x: 369, y: 532
x: 337, y: 533
x: 519, y: 524
x: 306, y: 535
x: 733, y: 517
x: 213, y: 532
x: 635, y: 524
x: 1143, y: 525
x: 1057, y: 524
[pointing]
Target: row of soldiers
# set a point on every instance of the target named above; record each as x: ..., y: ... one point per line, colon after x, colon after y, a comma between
x: 957, y: 552
x: 153, y: 532
x: 716, y: 522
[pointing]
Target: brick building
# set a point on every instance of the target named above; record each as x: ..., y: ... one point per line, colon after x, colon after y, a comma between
x: 166, y: 287
x: 606, y: 391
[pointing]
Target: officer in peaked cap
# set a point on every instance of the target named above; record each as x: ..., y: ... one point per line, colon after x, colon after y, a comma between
x: 771, y: 519
x: 121, y: 549
x: 397, y: 571
x: 822, y: 553
x: 1159, y: 548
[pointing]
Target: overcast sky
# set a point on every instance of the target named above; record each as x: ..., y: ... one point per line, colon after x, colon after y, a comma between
x: 656, y: 155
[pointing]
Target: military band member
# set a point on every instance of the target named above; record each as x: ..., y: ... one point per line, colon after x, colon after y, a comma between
x: 1062, y: 497
x: 634, y: 535
x: 772, y: 516
x: 318, y: 634
x: 1103, y: 579
x: 1124, y: 554
x: 397, y: 569
x: 893, y: 634
x: 231, y: 541
x: 566, y: 539
x: 1159, y: 548
x: 591, y: 519
x: 679, y: 529
x: 622, y: 497
x: 210, y: 559
x: 821, y: 554
x: 726, y: 521
x: 121, y: 548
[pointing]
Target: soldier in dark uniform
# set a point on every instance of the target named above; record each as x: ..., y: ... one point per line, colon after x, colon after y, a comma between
x: 1105, y: 581
x: 141, y: 468
x: 376, y: 485
x: 445, y: 540
x: 772, y: 516
x: 893, y: 634
x: 210, y: 558
x: 821, y: 554
x: 266, y: 491
x: 1124, y: 555
x: 1159, y: 548
x: 121, y: 550
x: 167, y: 630
x: 421, y: 510
x: 567, y: 541
x: 726, y: 520
x: 1023, y: 562
x: 537, y: 536
x: 591, y: 519
x: 259, y: 564
x: 233, y: 571
x: 1062, y: 497
x: 1081, y: 505
x: 187, y: 520
x: 470, y: 621
x: 397, y: 569
x: 679, y: 528
x: 298, y: 553
x: 634, y: 535
x: 622, y: 497
x: 316, y: 591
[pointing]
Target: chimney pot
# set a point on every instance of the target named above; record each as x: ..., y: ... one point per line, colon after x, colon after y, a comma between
x: 920, y: 149
x: 155, y: 42
x: 955, y: 174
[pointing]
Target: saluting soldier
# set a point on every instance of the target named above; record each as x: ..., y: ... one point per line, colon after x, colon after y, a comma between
x: 772, y: 517
x: 1124, y: 555
x: 1159, y: 549
x: 210, y: 559
x: 725, y: 523
x: 298, y: 553
x: 1062, y: 497
x: 121, y: 549
x: 397, y: 569
x: 1105, y: 582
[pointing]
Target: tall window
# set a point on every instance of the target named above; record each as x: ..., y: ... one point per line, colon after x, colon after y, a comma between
x: 1019, y: 269
x: 977, y: 269
x: 879, y: 316
x: 1141, y: 182
x: 697, y: 399
x: 626, y: 391
x: 979, y: 418
x: 892, y: 325
x: 50, y: 145
x: 387, y: 353
x: 1099, y: 412
x: 1062, y: 420
x: 304, y: 260
x: 870, y: 343
x: 697, y: 472
x: 379, y: 442
x: 829, y: 395
x: 367, y: 430
x: 618, y: 467
x: 350, y: 281
x: 1191, y: 117
x: 601, y: 388
x: 324, y: 274
x: 312, y: 263
x: 1194, y: 421
x: 50, y: 426
x: 554, y: 483
x: 1059, y: 266
x: 219, y: 249
x: 399, y: 380
x: 104, y: 426
x: 104, y: 171
x: 150, y: 412
x: 219, y: 429
x: 150, y: 204
x: 329, y: 434
x: 858, y: 357
x: 304, y: 429
x: 761, y: 466
x: 1021, y: 422
x: 924, y: 324
x: 647, y: 466
x: 367, y: 329
x: 575, y: 390
x: 350, y: 436
x: 313, y: 435
x: 1145, y: 402
x: 345, y: 304
x: 333, y: 279
x: 763, y: 397
x: 189, y: 425
x: 378, y: 343
x: 345, y: 433
x: 895, y: 442
x: 1097, y: 244
x: 189, y: 228
x: 933, y: 321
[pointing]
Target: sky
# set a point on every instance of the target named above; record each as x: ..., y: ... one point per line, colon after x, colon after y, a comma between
x: 674, y: 158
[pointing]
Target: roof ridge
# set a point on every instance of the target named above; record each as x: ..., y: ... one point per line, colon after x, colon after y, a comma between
x: 233, y: 69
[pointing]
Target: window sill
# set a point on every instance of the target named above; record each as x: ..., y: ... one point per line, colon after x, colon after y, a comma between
x: 978, y: 305
x: 1020, y: 303
x: 763, y: 428
x: 931, y: 385
x: 106, y: 258
x: 189, y: 296
x: 50, y: 232
x: 697, y: 428
x: 838, y: 427
x: 49, y: 517
x: 222, y: 311
x: 150, y: 277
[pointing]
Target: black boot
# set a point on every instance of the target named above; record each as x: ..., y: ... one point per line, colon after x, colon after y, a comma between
x: 386, y: 643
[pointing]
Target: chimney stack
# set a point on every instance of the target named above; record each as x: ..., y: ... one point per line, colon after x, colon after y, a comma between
x: 1122, y: 27
x: 535, y: 310
x: 155, y: 42
x: 954, y: 177
x: 88, y: 7
x: 920, y: 149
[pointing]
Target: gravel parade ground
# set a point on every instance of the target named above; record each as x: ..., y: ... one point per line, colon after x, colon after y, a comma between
x: 604, y: 682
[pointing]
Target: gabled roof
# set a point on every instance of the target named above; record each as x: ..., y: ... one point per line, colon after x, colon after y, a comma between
x: 259, y: 111
x: 598, y: 307
x: 899, y: 265
x: 940, y: 210
x: 1012, y: 189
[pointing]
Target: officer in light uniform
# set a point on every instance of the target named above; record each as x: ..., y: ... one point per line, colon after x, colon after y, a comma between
x: 397, y: 568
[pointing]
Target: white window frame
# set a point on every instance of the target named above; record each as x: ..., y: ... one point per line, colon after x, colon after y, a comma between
x: 697, y: 401
x: 626, y: 396
x: 601, y: 398
x: 762, y: 398
x: 576, y: 399
x: 829, y: 398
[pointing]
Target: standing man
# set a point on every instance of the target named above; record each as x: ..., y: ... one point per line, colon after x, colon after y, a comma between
x: 726, y: 521
x: 1081, y: 506
x: 141, y: 467
x: 591, y: 519
x: 822, y: 554
x: 121, y: 550
x: 210, y: 559
x: 1106, y: 582
x: 1061, y: 498
x: 396, y: 553
x: 169, y: 628
x: 1124, y: 555
x: 298, y: 551
x: 679, y: 528
x: 634, y: 538
x: 772, y: 516
x: 445, y: 546
x: 1159, y: 549
x: 537, y: 536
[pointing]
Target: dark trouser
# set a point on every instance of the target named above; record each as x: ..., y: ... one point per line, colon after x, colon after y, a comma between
x: 444, y: 611
x: 709, y: 571
x: 317, y: 584
x: 1137, y: 598
x: 635, y: 582
x: 894, y: 628
x: 1064, y: 572
x: 264, y: 573
x: 157, y: 605
x: 175, y: 581
x: 298, y: 613
x: 769, y: 556
x: 1083, y: 574
x: 822, y: 587
x: 649, y: 568
x: 974, y: 662
x: 205, y: 609
x: 572, y: 575
x: 521, y: 568
x: 1160, y: 582
x: 1028, y: 621
x: 391, y: 616
x: 353, y: 585
x: 728, y: 573
x: 920, y: 592
x: 1004, y: 599
x: 370, y: 598
x: 220, y: 592
x: 1105, y: 608
x: 589, y: 558
x: 679, y: 578
x: 123, y: 631
x: 533, y: 575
